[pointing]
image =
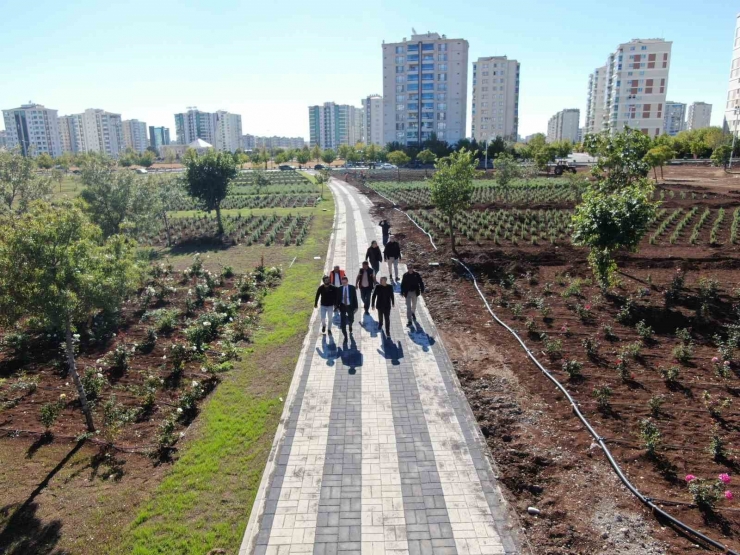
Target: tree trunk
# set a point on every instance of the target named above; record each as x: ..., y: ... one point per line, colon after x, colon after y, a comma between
x: 661, y: 172
x: 218, y: 218
x: 452, y: 235
x: 167, y: 228
x: 655, y: 174
x: 76, y: 378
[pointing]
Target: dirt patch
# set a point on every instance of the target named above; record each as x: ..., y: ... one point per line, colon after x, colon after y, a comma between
x: 545, y: 457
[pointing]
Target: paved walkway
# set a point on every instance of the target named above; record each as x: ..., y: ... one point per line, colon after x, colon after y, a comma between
x: 378, y: 451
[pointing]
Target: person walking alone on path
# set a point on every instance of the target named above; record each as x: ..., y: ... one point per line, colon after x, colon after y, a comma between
x: 412, y: 287
x: 392, y: 255
x: 328, y: 295
x: 347, y: 304
x: 365, y: 282
x: 383, y: 300
x: 385, y: 226
x: 374, y: 256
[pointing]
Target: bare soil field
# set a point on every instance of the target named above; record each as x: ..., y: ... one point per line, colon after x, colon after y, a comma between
x: 643, y: 362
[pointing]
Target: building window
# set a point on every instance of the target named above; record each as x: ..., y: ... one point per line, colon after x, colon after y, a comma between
x: 427, y: 96
x: 400, y: 98
x: 400, y: 78
x: 442, y: 106
x: 442, y: 47
x: 441, y: 86
x: 427, y: 47
x: 441, y: 116
x: 413, y: 87
x: 427, y: 86
x: 442, y: 77
x: 412, y: 76
x: 400, y: 59
x: 441, y: 96
x: 412, y: 58
x: 412, y: 48
x: 427, y: 67
x: 399, y: 49
x: 399, y: 69
x: 413, y: 106
x: 427, y: 77
x: 400, y: 106
x: 399, y: 88
x: 443, y: 57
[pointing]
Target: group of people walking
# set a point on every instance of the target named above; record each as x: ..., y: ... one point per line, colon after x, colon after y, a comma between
x: 337, y: 294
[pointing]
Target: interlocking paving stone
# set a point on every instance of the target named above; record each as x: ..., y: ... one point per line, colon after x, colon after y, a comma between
x: 378, y: 452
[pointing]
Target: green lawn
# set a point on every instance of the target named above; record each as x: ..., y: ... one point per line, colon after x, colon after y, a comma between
x: 205, y: 500
x: 69, y: 188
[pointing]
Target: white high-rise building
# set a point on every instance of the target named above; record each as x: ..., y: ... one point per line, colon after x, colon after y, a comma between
x: 134, y: 135
x: 636, y: 86
x: 331, y: 125
x: 675, y: 118
x: 425, y: 89
x: 700, y: 115
x: 373, y: 120
x: 71, y: 132
x: 33, y: 129
x: 228, y: 131
x: 563, y: 126
x: 495, y: 110
x: 732, y: 105
x: 596, y: 101
x: 103, y: 132
x: 194, y: 124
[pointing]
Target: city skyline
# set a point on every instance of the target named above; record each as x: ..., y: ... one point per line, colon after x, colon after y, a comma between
x: 272, y: 96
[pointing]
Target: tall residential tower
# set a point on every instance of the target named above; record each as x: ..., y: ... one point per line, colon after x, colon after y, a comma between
x: 732, y: 105
x: 33, y: 129
x: 373, y: 120
x: 596, y: 102
x: 700, y: 115
x: 675, y: 118
x: 194, y: 124
x: 425, y: 89
x: 134, y: 135
x: 563, y: 126
x: 495, y: 99
x: 333, y: 124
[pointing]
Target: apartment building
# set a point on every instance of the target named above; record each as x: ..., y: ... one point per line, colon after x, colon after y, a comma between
x: 194, y: 124
x: 159, y: 136
x: 564, y: 126
x: 372, y: 133
x: 331, y: 125
x: 71, y: 133
x: 700, y: 115
x: 596, y: 101
x: 102, y: 132
x: 636, y: 85
x: 732, y: 105
x: 425, y: 89
x: 495, y: 109
x: 228, y: 131
x: 33, y: 129
x: 675, y: 118
x: 134, y: 135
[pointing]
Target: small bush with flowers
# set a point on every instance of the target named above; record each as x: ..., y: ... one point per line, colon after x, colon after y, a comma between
x: 707, y: 493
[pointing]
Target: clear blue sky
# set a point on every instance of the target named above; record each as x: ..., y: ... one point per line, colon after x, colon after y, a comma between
x: 269, y: 60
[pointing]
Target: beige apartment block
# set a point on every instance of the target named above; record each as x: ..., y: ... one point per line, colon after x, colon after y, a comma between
x: 732, y: 106
x: 134, y: 135
x: 700, y: 115
x: 637, y: 85
x: 596, y: 101
x: 33, y: 129
x: 372, y: 133
x: 103, y: 132
x: 563, y: 126
x: 495, y: 109
x: 425, y: 89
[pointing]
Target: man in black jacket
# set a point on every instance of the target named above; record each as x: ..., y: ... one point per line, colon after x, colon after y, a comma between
x: 365, y: 282
x: 346, y: 300
x: 392, y: 255
x: 327, y: 293
x: 374, y: 256
x: 385, y: 226
x: 383, y: 299
x: 412, y: 287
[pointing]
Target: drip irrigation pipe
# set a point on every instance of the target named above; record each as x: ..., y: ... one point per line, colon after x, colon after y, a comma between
x: 615, y: 466
x: 647, y: 501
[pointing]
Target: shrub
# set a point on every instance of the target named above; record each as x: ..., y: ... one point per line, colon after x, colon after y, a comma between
x: 684, y: 335
x: 186, y: 403
x: 708, y: 289
x: 644, y: 331
x: 204, y: 330
x: 516, y: 310
x: 572, y: 368
x: 584, y: 312
x: 683, y: 352
x: 655, y: 403
x: 714, y: 405
x: 227, y: 272
x: 531, y: 326
x: 246, y: 287
x: 165, y: 435
x: 116, y: 416
x: 150, y: 340
x: 622, y: 368
x: 602, y: 394
x: 553, y: 347
x: 717, y: 446
x: 608, y: 332
x: 49, y: 412
x: 118, y: 357
x: 670, y: 375
x: 591, y: 346
x: 625, y: 314
x: 650, y: 436
x: 93, y: 382
x: 179, y: 355
x: 16, y: 343
x: 707, y: 493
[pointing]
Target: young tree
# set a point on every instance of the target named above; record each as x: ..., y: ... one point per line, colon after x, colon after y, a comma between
x: 507, y: 168
x: 146, y: 158
x: 721, y: 156
x: 18, y: 182
x: 452, y: 186
x: 621, y: 158
x: 316, y: 153
x: 167, y: 193
x: 322, y: 178
x: 658, y: 156
x: 58, y: 176
x: 208, y: 178
x: 426, y: 157
x: 371, y: 153
x: 328, y: 156
x: 115, y: 201
x: 398, y: 158
x: 343, y: 152
x: 303, y: 156
x: 55, y: 269
x: 45, y: 161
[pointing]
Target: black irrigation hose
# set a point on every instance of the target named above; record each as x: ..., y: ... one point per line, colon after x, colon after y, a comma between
x: 615, y: 466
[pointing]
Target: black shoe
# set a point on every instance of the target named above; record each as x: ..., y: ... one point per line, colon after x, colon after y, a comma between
x: 409, y: 324
x: 414, y: 317
x: 323, y: 329
x: 329, y: 332
x: 366, y: 312
x: 350, y: 329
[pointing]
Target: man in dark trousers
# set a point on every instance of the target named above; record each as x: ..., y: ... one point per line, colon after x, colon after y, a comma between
x: 346, y: 300
x: 392, y: 254
x: 365, y: 282
x: 327, y: 294
x: 375, y: 257
x: 385, y: 226
x: 383, y: 300
x: 412, y: 287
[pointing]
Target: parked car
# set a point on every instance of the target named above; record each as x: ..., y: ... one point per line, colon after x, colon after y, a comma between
x: 319, y: 167
x: 387, y: 166
x: 141, y: 170
x: 482, y: 164
x: 285, y: 168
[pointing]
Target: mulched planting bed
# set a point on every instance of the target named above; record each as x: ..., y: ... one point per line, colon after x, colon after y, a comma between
x: 670, y: 410
x: 145, y: 370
